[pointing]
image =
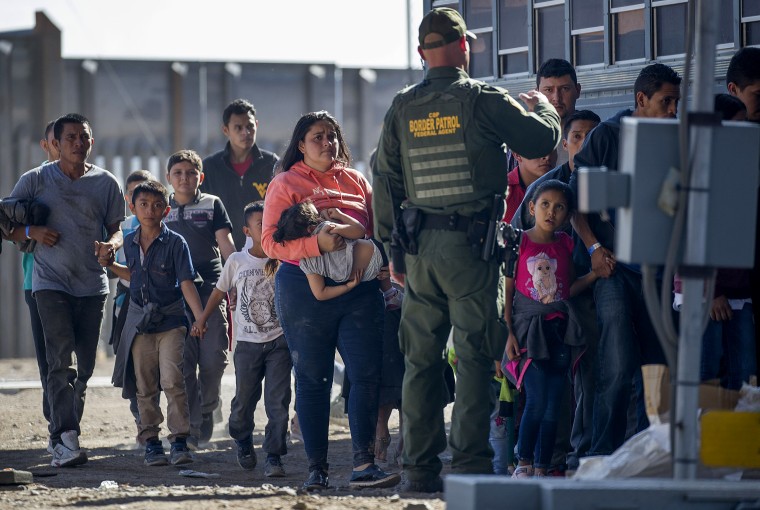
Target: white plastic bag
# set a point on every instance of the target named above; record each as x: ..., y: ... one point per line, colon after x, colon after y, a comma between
x: 647, y: 452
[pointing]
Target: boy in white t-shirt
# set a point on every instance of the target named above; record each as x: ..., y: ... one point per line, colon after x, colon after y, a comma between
x: 261, y: 350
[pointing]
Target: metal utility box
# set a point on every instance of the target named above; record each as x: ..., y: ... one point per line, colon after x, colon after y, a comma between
x: 648, y: 149
x: 498, y: 493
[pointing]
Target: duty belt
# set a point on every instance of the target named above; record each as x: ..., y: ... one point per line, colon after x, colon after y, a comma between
x: 454, y: 222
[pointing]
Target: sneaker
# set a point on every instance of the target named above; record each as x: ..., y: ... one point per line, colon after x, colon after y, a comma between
x: 192, y: 443
x: 393, y: 299
x: 273, y: 467
x: 429, y: 486
x: 207, y: 428
x: 50, y: 446
x: 373, y: 477
x: 154, y: 453
x: 522, y: 472
x: 67, y: 452
x: 179, y: 453
x: 246, y: 457
x: 317, y: 480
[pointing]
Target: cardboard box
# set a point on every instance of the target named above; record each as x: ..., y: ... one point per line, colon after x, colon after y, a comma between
x: 657, y: 393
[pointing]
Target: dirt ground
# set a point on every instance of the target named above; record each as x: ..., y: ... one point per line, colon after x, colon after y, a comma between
x: 115, y: 476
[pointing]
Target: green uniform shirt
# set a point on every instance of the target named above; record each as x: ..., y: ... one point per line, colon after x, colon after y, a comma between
x: 496, y: 120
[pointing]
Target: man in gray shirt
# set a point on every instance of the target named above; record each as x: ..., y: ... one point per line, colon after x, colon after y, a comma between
x: 70, y: 285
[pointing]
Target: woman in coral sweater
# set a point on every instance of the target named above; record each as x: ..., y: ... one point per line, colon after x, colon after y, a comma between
x: 315, y: 167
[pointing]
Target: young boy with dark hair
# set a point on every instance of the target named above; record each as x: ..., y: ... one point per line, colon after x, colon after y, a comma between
x: 119, y: 315
x: 574, y: 131
x: 203, y: 221
x: 261, y: 353
x: 160, y: 274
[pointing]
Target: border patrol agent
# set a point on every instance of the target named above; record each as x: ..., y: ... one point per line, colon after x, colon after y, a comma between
x: 440, y: 164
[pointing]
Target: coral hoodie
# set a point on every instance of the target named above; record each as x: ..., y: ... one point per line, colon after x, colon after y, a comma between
x: 339, y: 186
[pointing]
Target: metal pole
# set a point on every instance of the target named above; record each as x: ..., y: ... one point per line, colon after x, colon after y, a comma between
x: 338, y: 78
x: 203, y: 107
x: 692, y: 314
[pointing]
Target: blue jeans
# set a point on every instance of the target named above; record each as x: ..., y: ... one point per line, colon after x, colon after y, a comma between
x: 545, y: 383
x: 72, y: 326
x: 501, y: 436
x: 626, y: 338
x: 353, y: 323
x: 733, y: 343
x: 255, y: 363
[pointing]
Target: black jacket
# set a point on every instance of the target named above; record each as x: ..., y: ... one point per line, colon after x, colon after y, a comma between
x: 236, y: 192
x: 14, y: 211
x: 601, y: 148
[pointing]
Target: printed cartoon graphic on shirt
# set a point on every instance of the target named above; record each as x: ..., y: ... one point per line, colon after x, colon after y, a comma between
x: 257, y: 311
x: 543, y: 269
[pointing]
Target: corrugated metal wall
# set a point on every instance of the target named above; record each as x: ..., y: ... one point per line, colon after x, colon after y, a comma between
x: 142, y: 111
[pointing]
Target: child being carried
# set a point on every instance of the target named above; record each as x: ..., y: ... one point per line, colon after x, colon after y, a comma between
x: 360, y: 261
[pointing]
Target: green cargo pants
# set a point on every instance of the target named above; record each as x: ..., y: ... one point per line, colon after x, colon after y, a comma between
x: 447, y: 286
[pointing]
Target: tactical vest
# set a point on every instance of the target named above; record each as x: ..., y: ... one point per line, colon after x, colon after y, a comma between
x: 437, y: 169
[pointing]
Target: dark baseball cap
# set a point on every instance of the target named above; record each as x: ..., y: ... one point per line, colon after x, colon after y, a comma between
x: 446, y: 22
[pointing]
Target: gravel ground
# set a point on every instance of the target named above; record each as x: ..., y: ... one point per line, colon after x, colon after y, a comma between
x: 115, y: 476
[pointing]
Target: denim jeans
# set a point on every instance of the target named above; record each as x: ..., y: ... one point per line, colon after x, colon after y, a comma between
x: 626, y: 338
x: 729, y: 345
x: 583, y: 383
x: 254, y: 363
x: 501, y: 436
x: 72, y: 326
x: 353, y: 323
x: 545, y: 383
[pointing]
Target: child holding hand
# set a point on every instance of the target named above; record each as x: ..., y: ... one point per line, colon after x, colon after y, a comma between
x: 261, y: 351
x: 542, y: 323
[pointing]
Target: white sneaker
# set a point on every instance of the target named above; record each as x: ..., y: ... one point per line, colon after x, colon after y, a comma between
x: 50, y: 446
x: 67, y: 452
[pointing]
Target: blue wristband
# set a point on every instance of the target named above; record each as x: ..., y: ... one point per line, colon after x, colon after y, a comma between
x: 27, y: 232
x: 593, y: 248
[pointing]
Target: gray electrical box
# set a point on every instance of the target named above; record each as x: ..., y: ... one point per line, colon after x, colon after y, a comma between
x: 492, y: 492
x: 648, y: 150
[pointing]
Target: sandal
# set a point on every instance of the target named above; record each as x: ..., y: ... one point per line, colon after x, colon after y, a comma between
x: 381, y: 448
